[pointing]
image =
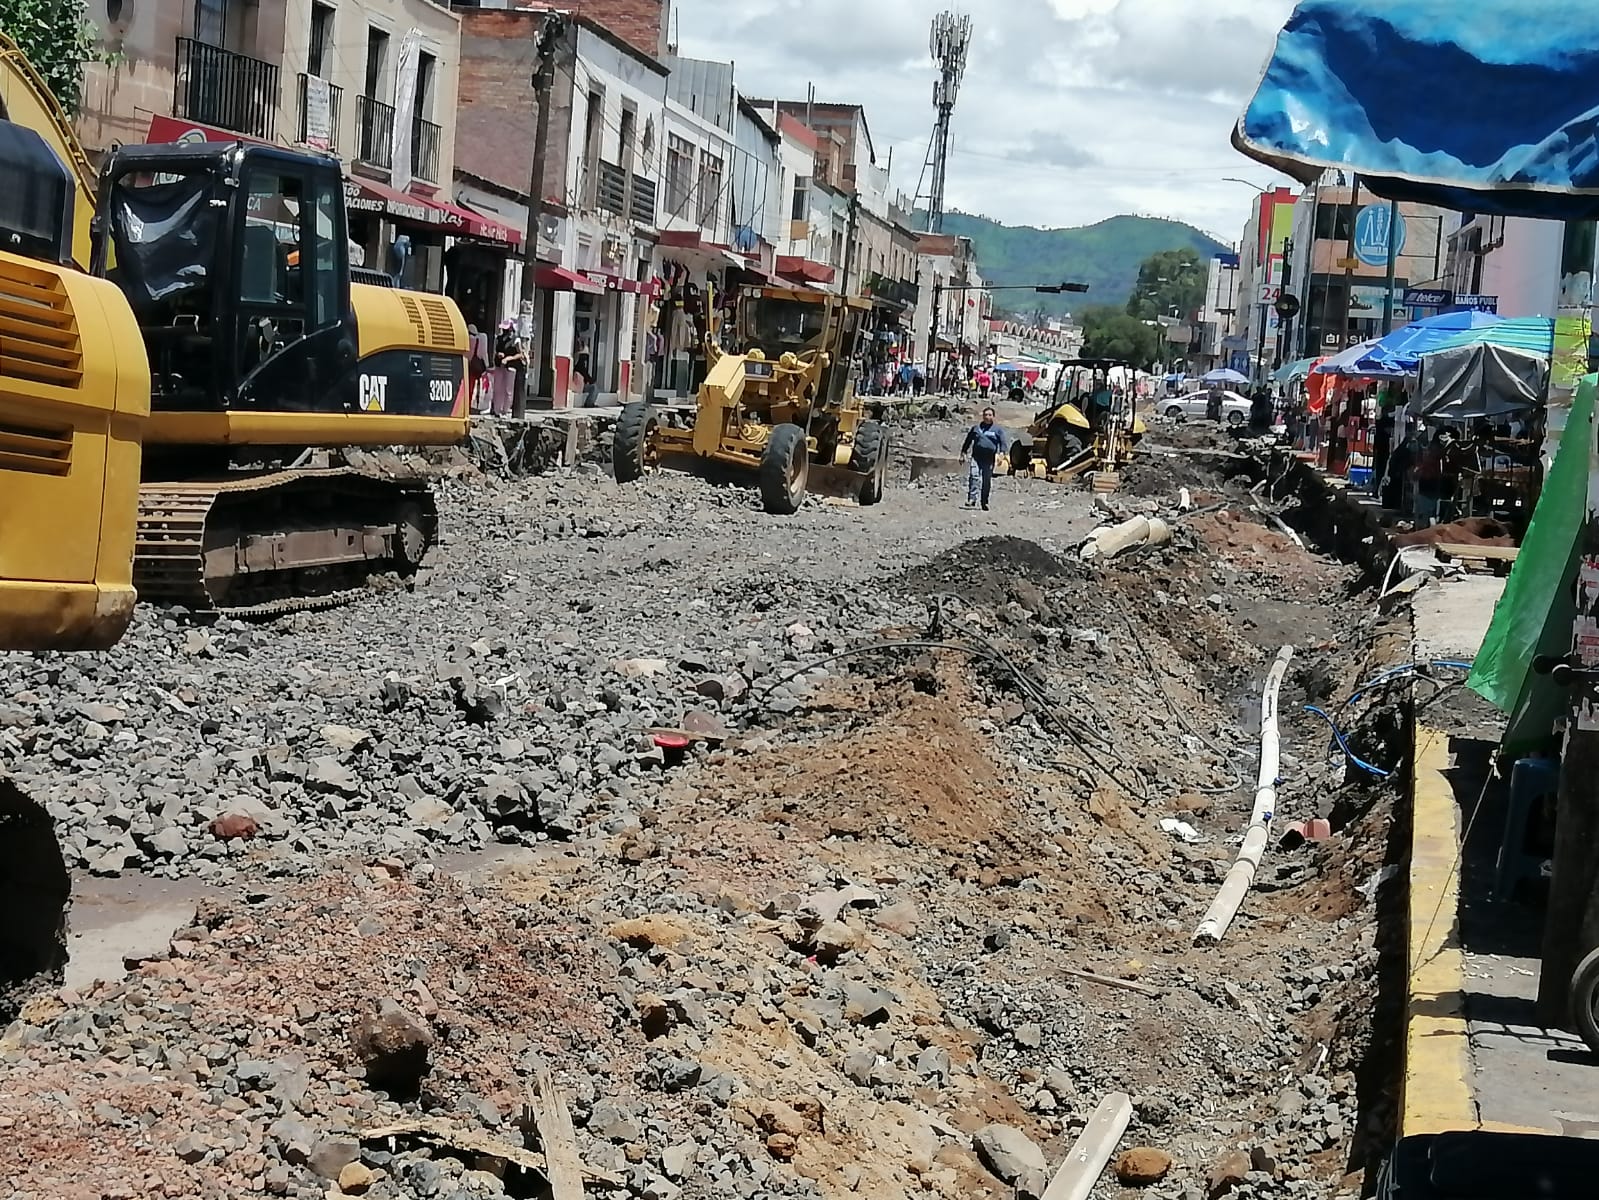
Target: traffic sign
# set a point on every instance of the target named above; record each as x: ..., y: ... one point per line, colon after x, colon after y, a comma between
x: 1287, y: 306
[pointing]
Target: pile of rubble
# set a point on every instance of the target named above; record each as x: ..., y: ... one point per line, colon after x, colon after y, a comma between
x: 838, y: 857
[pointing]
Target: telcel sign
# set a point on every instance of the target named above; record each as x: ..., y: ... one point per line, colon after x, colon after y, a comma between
x: 1371, y: 235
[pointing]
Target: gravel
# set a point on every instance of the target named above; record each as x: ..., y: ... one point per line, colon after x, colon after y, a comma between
x: 813, y: 953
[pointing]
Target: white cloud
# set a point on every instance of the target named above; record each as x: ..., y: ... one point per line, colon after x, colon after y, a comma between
x: 1071, y: 111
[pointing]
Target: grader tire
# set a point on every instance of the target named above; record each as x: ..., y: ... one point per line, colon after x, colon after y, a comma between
x: 869, y: 457
x: 630, y: 451
x: 785, y: 464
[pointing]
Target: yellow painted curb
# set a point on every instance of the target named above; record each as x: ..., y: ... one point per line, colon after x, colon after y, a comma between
x: 1437, y: 1089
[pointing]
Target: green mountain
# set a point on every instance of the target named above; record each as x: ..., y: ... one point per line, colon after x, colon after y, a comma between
x: 1104, y: 256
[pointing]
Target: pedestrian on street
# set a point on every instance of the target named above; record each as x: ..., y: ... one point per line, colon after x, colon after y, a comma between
x: 508, y: 355
x: 982, y: 447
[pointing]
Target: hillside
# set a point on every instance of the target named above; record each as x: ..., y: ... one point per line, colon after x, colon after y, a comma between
x: 1104, y: 256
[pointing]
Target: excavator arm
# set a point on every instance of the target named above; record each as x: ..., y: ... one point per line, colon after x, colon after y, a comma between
x: 25, y: 100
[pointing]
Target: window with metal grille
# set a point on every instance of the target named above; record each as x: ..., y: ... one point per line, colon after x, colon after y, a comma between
x: 679, y: 173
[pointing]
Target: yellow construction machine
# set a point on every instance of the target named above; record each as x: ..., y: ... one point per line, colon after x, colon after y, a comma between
x: 1090, y: 425
x: 785, y: 408
x: 195, y: 303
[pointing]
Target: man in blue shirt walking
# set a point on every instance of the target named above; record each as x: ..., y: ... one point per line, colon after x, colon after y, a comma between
x: 985, y: 443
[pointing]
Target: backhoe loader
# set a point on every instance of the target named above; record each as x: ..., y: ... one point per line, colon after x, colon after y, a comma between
x: 1089, y: 426
x: 785, y: 408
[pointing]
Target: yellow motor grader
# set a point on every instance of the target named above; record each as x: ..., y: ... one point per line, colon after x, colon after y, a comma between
x: 1089, y: 425
x: 784, y: 409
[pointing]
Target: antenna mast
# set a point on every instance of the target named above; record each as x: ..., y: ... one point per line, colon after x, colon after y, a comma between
x: 949, y: 42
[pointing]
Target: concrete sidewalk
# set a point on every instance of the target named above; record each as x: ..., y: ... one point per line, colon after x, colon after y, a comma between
x: 1474, y: 1054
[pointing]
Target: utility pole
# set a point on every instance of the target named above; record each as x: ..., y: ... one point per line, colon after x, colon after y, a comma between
x: 849, y: 248
x: 1349, y: 264
x: 932, y: 326
x: 550, y: 32
x: 1388, y: 292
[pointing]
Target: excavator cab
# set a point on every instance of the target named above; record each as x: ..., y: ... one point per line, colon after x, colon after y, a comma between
x: 235, y: 260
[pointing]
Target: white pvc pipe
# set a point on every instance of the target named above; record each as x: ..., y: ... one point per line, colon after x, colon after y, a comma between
x: 1233, y: 890
x: 1110, y: 540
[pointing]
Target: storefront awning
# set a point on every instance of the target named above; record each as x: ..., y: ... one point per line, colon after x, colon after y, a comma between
x: 691, y: 249
x: 803, y: 270
x: 369, y: 196
x: 478, y: 226
x: 559, y: 279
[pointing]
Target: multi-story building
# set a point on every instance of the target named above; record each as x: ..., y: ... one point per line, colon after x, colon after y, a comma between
x: 1338, y: 265
x: 373, y: 82
x: 952, y: 311
x: 1508, y: 265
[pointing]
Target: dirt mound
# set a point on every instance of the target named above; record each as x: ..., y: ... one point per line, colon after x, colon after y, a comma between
x: 982, y: 571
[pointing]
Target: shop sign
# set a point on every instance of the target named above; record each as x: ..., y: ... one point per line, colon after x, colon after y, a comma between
x: 398, y: 206
x: 318, y: 113
x: 1372, y: 235
x: 1428, y: 298
x: 1487, y: 304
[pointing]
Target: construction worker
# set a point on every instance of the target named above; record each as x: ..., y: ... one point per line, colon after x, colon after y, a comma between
x: 982, y: 448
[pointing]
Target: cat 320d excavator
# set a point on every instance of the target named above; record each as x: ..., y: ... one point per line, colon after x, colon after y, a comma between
x: 201, y: 312
x: 193, y: 307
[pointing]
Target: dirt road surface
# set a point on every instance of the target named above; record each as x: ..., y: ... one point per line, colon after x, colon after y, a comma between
x: 412, y: 850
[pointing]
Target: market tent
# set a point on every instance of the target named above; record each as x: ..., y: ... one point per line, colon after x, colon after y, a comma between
x: 1535, y: 335
x: 1224, y: 375
x: 1480, y: 381
x: 1487, y: 107
x: 1402, y: 349
x: 1298, y: 369
x: 1346, y: 362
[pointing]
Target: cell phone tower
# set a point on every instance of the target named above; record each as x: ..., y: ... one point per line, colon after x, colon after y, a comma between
x: 950, y: 40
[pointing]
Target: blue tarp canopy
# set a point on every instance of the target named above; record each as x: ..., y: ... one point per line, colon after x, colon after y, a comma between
x: 1534, y: 335
x: 1490, y: 106
x: 1348, y: 364
x: 1402, y: 349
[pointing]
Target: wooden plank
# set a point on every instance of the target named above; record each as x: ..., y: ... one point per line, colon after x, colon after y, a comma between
x: 547, y: 1109
x: 1076, y: 1177
x: 1490, y: 553
x: 1127, y: 985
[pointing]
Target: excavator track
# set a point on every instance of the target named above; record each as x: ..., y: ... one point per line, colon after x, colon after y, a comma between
x: 262, y: 545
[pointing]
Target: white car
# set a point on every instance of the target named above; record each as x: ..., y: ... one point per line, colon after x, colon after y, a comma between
x: 1234, y: 408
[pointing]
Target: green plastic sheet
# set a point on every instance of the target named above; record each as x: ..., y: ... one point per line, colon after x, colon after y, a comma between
x: 1536, y: 612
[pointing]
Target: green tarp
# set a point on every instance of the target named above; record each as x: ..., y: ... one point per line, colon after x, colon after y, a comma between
x: 1536, y: 613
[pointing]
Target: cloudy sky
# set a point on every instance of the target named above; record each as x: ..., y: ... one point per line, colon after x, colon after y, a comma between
x: 1071, y: 110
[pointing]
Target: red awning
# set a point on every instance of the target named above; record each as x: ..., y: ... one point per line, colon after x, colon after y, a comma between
x: 559, y: 279
x: 370, y: 196
x: 791, y: 266
x: 613, y: 283
x: 478, y: 226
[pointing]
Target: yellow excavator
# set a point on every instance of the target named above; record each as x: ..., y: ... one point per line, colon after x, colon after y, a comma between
x: 784, y: 409
x: 174, y: 335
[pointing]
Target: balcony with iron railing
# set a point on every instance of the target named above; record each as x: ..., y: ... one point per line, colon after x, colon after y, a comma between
x: 230, y: 91
x: 375, y: 120
x: 425, y: 139
x: 309, y: 135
